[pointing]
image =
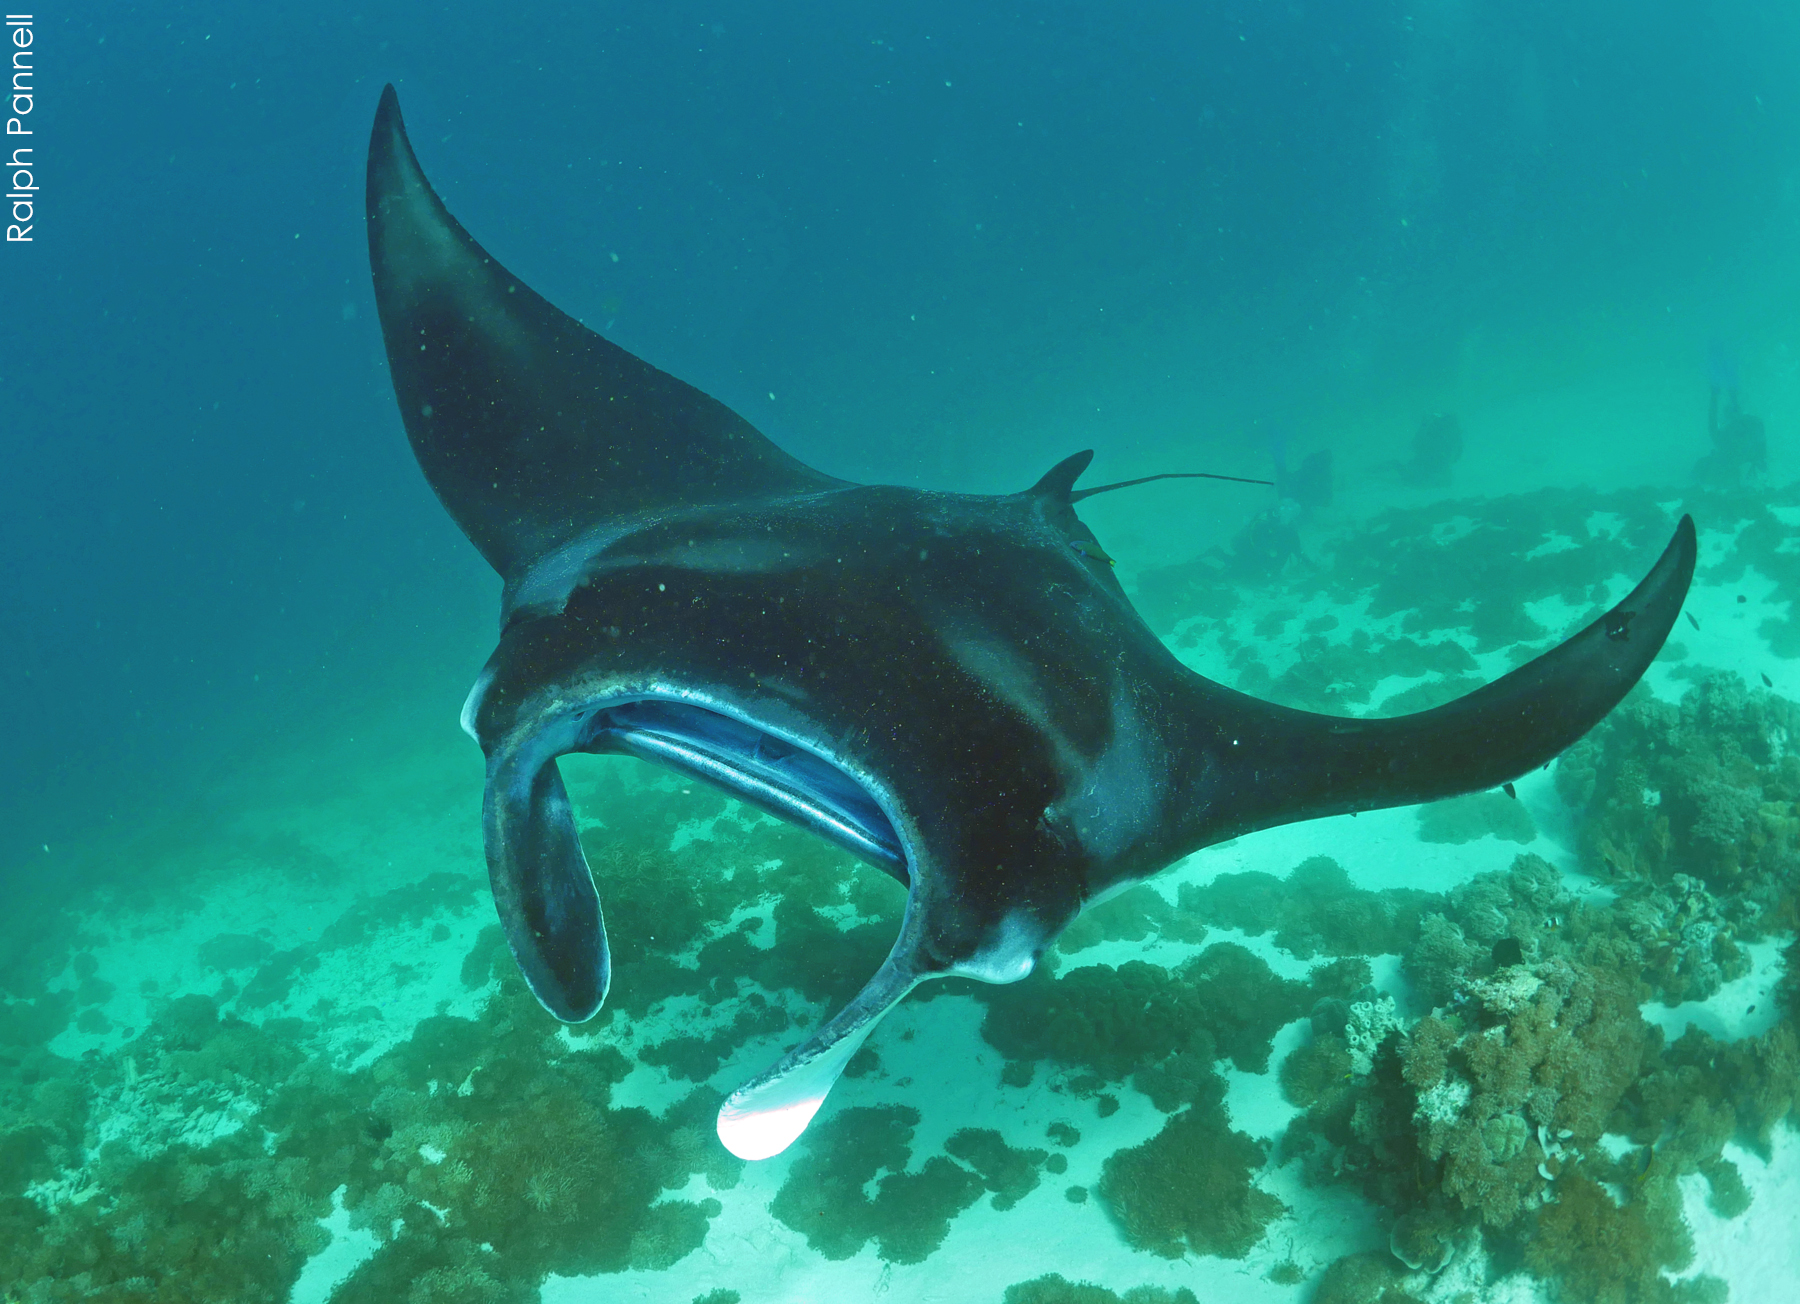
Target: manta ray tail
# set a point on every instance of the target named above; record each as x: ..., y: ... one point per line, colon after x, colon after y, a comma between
x: 1283, y: 765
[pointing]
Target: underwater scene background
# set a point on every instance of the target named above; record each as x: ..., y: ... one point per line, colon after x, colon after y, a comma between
x: 1493, y: 293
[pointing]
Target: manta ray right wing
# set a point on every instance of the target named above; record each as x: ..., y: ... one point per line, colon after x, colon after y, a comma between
x: 1282, y: 765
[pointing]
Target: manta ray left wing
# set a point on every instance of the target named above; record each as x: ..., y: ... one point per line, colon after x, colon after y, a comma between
x: 532, y: 428
x: 535, y: 432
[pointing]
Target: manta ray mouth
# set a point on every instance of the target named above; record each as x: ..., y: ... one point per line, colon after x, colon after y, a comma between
x: 783, y: 778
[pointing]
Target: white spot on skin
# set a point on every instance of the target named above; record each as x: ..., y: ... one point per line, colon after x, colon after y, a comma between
x: 552, y: 579
x: 1011, y: 954
x: 1118, y: 797
x: 472, y: 703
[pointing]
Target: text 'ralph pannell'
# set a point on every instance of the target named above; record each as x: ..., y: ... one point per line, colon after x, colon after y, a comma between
x: 22, y: 194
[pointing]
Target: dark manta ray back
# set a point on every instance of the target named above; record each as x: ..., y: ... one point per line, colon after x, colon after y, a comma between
x: 953, y: 687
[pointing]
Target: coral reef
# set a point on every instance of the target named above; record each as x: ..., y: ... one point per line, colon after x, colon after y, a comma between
x: 1704, y: 791
x: 1363, y: 1279
x: 472, y: 1133
x: 1516, y: 1110
x: 1482, y: 1121
x: 1598, y: 1250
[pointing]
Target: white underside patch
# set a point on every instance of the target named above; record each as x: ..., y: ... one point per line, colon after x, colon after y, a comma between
x: 472, y: 703
x: 759, y: 1122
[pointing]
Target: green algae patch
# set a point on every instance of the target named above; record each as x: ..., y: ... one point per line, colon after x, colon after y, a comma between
x: 698, y: 1058
x: 1189, y: 1189
x: 1312, y: 1069
x: 1053, y: 1289
x: 1600, y: 1250
x: 407, y: 906
x: 1363, y: 1279
x: 275, y: 979
x: 1139, y: 1017
x: 1315, y: 910
x: 824, y: 1197
x: 1726, y: 1194
x: 1476, y: 815
x: 1285, y: 1273
x: 1135, y: 916
x: 32, y: 1023
x: 1010, y: 1174
x: 189, y: 1224
x: 229, y: 951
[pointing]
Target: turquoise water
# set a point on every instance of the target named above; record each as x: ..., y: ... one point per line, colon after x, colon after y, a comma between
x: 1527, y: 278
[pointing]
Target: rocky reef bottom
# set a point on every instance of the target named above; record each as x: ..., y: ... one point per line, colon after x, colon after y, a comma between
x: 307, y: 1069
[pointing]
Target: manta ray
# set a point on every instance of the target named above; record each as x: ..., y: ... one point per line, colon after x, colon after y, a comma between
x: 953, y: 687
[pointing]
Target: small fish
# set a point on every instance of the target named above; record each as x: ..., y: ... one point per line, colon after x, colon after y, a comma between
x: 1767, y: 682
x: 1508, y: 789
x: 1751, y: 1010
x: 1089, y: 548
x: 1742, y: 598
x: 1691, y: 620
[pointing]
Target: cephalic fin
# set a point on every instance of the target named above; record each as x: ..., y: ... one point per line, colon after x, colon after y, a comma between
x: 765, y: 1115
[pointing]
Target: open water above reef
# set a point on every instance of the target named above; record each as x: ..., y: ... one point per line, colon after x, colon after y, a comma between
x: 1531, y: 1047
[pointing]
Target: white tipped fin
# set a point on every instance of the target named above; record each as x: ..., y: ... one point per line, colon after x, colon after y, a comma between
x: 472, y: 703
x: 759, y: 1122
x: 767, y: 1114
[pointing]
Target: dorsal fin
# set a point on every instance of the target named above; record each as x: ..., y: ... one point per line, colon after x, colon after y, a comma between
x: 1059, y: 481
x: 531, y: 428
